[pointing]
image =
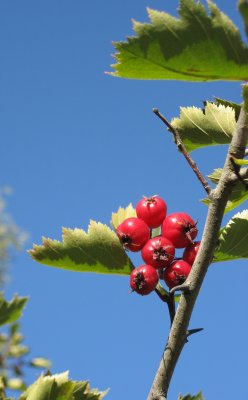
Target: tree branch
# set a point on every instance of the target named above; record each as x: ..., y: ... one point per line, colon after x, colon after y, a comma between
x: 183, y: 150
x: 219, y: 197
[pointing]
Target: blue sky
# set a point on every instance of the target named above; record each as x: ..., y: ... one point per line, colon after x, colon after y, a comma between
x: 77, y: 144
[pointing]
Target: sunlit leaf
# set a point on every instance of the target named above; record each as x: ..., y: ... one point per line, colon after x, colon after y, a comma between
x: 12, y: 310
x: 17, y: 351
x: 239, y: 161
x: 228, y: 103
x: 209, y: 127
x: 99, y: 250
x: 233, y: 239
x: 239, y: 193
x: 16, y: 384
x: 197, y: 46
x: 40, y: 362
x: 122, y: 214
x: 60, y: 387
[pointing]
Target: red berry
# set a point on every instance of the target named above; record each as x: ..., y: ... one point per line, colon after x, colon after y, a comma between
x: 180, y: 229
x: 176, y: 273
x: 144, y: 279
x: 190, y: 252
x: 152, y: 210
x: 133, y: 233
x: 158, y: 252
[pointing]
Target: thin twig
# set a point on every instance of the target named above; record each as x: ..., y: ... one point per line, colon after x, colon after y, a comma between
x: 185, y: 287
x: 167, y: 298
x: 183, y: 150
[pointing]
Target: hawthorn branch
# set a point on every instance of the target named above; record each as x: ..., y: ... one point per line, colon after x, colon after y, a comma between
x: 219, y: 197
x: 183, y: 150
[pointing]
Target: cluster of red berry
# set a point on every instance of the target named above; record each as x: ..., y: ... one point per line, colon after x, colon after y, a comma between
x: 178, y: 230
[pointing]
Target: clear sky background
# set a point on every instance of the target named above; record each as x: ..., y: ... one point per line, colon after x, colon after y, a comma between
x: 75, y: 145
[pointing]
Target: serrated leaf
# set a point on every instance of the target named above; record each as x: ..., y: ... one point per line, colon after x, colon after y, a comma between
x: 59, y: 387
x: 12, y: 310
x: 233, y: 239
x: 228, y: 103
x: 209, y: 127
x: 99, y: 251
x: 194, y: 47
x: 40, y: 362
x: 239, y: 193
x: 189, y: 397
x: 122, y: 214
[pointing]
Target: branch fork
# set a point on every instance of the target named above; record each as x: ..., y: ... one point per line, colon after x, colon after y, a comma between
x: 219, y: 197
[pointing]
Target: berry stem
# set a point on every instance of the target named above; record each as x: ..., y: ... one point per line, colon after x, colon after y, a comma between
x: 167, y: 298
x: 185, y: 287
x: 183, y: 150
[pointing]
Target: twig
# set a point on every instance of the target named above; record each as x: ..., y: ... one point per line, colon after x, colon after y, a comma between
x: 185, y: 287
x: 167, y: 298
x: 183, y: 150
x: 179, y: 329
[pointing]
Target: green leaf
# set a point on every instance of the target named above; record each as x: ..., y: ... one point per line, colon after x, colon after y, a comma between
x: 59, y: 387
x: 97, y: 251
x: 40, y: 362
x: 228, y: 103
x: 194, y: 47
x: 239, y: 161
x: 156, y: 232
x: 12, y: 310
x: 16, y: 384
x: 239, y: 193
x: 122, y: 214
x: 209, y: 127
x: 177, y: 298
x: 17, y: 351
x: 188, y: 397
x: 233, y: 239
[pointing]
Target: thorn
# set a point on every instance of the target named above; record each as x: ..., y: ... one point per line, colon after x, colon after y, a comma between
x: 193, y: 331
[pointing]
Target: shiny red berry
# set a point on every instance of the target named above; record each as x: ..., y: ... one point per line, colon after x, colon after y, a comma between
x: 158, y: 252
x: 180, y: 229
x: 133, y: 233
x: 152, y: 210
x: 190, y: 252
x: 144, y: 279
x: 176, y: 273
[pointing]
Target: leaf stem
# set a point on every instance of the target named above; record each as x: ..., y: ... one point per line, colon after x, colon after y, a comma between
x: 183, y: 150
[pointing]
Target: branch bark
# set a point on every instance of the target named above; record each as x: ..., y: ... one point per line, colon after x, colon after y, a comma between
x: 218, y: 200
